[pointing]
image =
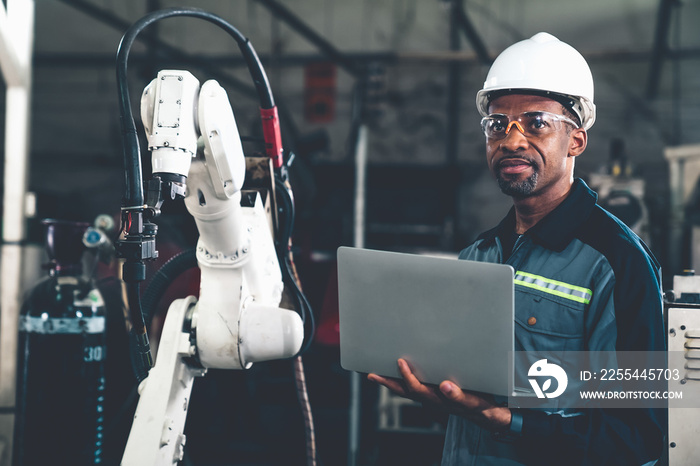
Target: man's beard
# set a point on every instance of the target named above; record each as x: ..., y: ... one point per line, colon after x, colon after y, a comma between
x: 518, y: 188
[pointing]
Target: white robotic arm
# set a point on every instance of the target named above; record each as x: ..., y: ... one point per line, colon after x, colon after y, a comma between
x: 237, y: 320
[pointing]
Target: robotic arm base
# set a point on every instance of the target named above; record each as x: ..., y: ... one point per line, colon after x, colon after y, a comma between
x: 157, y: 433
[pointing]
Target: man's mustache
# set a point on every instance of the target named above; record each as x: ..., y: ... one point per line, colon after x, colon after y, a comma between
x: 509, y: 158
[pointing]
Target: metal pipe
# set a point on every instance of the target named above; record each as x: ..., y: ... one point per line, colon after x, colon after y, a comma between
x: 659, y: 52
x: 359, y: 242
x: 454, y: 84
x: 676, y: 89
x: 360, y: 185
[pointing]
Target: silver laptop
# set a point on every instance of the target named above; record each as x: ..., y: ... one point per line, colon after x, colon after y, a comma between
x: 450, y: 319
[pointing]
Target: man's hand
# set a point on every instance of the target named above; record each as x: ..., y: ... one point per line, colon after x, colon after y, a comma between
x: 447, y: 396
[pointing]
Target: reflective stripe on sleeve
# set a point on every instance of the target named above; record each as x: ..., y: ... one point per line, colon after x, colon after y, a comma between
x: 557, y: 288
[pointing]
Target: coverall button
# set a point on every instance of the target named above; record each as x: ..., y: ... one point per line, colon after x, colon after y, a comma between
x: 531, y: 321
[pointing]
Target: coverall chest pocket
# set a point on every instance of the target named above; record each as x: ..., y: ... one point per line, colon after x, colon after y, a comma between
x: 547, y: 322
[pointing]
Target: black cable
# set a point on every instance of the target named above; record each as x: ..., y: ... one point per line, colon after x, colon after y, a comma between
x: 307, y: 313
x: 286, y: 225
x: 133, y: 297
x: 132, y: 159
x: 163, y: 278
x: 134, y: 198
x: 284, y: 253
x: 133, y: 202
x: 141, y: 358
x: 286, y: 221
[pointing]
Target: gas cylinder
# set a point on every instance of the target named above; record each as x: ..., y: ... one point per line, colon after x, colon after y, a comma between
x: 61, y: 355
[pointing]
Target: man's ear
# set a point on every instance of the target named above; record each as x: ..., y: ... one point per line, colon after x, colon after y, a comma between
x: 578, y: 139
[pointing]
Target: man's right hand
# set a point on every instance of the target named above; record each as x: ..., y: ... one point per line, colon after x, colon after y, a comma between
x: 448, y: 397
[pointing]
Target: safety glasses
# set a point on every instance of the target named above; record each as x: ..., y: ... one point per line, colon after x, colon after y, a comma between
x: 532, y: 124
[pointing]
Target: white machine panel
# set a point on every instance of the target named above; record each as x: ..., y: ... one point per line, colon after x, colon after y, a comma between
x: 684, y: 423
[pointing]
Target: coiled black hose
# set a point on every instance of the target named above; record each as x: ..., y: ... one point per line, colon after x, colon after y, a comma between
x: 173, y: 268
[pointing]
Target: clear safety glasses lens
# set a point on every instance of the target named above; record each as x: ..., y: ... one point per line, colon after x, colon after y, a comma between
x: 533, y: 124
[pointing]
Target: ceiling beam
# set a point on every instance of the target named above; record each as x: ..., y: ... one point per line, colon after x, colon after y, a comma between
x: 110, y: 19
x: 470, y: 33
x: 285, y: 14
x: 68, y: 59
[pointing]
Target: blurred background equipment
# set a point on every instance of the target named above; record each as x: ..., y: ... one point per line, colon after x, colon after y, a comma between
x: 684, y: 208
x: 621, y: 191
x: 61, y: 354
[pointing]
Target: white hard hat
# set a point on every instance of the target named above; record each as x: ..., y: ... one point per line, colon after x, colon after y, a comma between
x: 543, y: 65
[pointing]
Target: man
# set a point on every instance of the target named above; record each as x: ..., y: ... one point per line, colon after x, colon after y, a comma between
x: 583, y: 280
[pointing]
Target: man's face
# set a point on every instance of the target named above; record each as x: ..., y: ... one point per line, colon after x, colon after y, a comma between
x: 526, y: 166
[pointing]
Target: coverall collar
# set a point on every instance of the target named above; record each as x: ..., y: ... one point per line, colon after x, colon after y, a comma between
x: 556, y: 230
